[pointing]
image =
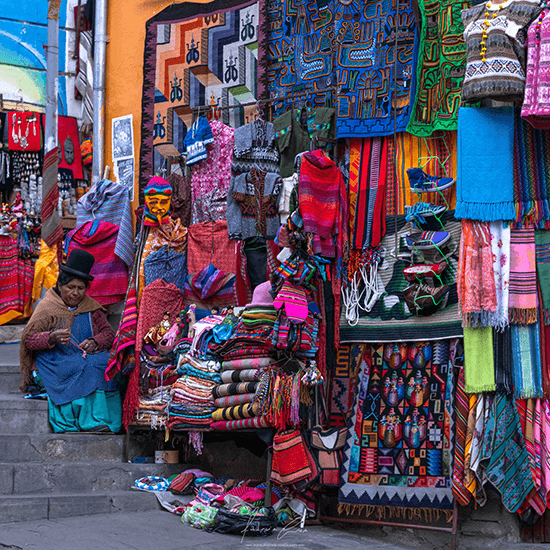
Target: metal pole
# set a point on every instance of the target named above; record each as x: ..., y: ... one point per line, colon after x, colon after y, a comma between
x: 100, y: 49
x: 52, y: 70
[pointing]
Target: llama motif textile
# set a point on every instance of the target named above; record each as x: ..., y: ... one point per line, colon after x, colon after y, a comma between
x: 398, y: 453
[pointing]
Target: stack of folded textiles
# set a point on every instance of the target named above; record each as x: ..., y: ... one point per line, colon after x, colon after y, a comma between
x: 192, y: 401
x: 152, y: 412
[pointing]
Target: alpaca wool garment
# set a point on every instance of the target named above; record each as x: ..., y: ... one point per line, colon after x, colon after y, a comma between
x: 479, y: 367
x: 491, y: 164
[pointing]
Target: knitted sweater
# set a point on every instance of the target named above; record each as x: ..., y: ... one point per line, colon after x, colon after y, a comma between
x: 252, y: 205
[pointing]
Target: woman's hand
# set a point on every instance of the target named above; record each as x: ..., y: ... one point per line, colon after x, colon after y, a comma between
x: 59, y: 336
x: 89, y: 345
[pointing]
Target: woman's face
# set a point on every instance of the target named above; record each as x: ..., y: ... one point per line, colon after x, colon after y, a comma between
x: 73, y: 292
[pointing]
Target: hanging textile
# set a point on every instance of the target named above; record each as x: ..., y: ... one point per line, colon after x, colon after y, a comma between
x: 502, y: 353
x: 479, y: 368
x: 397, y: 459
x: 439, y: 69
x: 542, y: 247
x: 460, y: 492
x: 526, y: 361
x: 46, y: 270
x: 51, y: 231
x: 500, y: 244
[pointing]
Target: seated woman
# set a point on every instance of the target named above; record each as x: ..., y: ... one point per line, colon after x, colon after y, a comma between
x: 67, y: 339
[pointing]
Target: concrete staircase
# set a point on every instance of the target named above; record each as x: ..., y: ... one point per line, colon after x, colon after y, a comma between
x: 46, y: 476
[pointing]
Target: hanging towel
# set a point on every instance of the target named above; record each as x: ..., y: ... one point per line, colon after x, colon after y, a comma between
x: 485, y: 186
x: 479, y: 368
x: 502, y: 352
x: 542, y: 241
x: 523, y: 278
x: 526, y: 361
x: 500, y: 244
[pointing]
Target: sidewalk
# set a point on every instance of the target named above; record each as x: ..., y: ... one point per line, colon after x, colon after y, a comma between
x: 164, y: 531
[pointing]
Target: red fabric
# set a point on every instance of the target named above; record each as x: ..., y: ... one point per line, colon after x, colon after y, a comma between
x: 67, y: 127
x: 208, y: 243
x: 16, y: 275
x: 27, y: 129
x: 109, y: 271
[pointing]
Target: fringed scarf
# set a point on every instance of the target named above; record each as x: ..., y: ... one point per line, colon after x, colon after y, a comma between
x: 500, y: 245
x: 51, y: 313
x: 461, y: 404
x: 475, y: 279
x: 526, y: 361
x: 479, y: 368
x: 542, y: 247
x: 523, y: 278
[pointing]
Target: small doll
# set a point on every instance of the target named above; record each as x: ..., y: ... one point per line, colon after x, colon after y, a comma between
x: 156, y: 333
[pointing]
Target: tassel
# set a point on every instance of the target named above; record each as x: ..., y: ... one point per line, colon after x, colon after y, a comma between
x: 521, y: 316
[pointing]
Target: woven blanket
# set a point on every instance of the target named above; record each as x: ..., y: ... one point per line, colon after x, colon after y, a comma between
x: 232, y: 400
x: 526, y: 361
x: 222, y: 41
x: 476, y: 280
x: 531, y: 174
x: 460, y: 491
x: 109, y: 271
x: 245, y: 375
x: 522, y: 302
x: 479, y: 367
x: 398, y: 452
x: 234, y: 389
x: 254, y: 363
x: 52, y: 231
x: 509, y: 467
x: 439, y: 69
x: 390, y: 318
x: 236, y: 412
x: 16, y: 275
x: 290, y: 463
x: 542, y: 243
x: 367, y: 190
x: 492, y: 164
x: 247, y: 423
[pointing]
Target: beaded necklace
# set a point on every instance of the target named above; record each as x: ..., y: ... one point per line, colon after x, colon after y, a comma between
x: 539, y: 22
x: 486, y: 25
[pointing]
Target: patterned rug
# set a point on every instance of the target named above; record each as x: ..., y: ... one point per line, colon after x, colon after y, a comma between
x: 199, y: 54
x: 390, y: 318
x: 397, y: 458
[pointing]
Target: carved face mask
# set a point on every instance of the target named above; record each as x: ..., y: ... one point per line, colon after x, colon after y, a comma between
x: 158, y: 198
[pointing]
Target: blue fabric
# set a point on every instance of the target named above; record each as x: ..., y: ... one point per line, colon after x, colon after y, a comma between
x: 66, y: 374
x: 485, y: 168
x: 166, y: 264
x: 196, y: 140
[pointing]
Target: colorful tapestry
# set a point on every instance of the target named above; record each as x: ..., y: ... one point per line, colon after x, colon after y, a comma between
x: 397, y: 458
x: 198, y: 54
x: 390, y: 315
x: 374, y: 69
x: 300, y: 53
x: 440, y: 68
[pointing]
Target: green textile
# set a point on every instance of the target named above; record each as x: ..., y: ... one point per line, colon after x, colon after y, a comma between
x: 100, y: 408
x: 479, y: 364
x: 542, y: 243
x: 440, y: 67
x: 295, y: 130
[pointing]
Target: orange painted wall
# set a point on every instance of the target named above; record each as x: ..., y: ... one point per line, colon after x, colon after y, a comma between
x: 124, y: 66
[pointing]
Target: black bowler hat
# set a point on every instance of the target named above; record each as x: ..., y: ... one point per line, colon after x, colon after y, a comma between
x: 79, y: 264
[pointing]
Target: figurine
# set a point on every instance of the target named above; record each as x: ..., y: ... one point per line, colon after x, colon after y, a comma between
x: 156, y: 333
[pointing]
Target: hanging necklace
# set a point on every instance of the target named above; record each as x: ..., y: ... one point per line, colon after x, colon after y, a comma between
x: 539, y: 22
x: 486, y: 25
x: 13, y: 134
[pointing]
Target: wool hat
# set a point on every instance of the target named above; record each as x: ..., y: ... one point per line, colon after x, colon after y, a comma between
x: 79, y: 263
x: 261, y: 296
x: 158, y: 186
x: 294, y: 299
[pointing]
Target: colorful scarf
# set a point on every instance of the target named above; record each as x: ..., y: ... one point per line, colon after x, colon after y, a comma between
x: 509, y: 467
x: 523, y: 278
x: 475, y: 278
x: 531, y: 174
x: 461, y: 405
x: 526, y: 361
x: 256, y: 422
x: 52, y: 231
x: 491, y: 164
x: 542, y: 246
x: 500, y: 244
x: 479, y: 366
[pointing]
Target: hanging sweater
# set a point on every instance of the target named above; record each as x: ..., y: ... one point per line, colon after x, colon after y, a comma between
x: 252, y: 205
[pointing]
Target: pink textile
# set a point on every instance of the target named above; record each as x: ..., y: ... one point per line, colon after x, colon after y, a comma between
x: 210, y: 178
x: 256, y: 422
x: 536, y: 102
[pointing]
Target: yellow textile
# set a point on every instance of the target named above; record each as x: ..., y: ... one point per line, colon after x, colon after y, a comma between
x: 46, y: 270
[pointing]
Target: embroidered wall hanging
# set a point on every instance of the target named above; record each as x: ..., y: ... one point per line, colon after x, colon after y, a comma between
x: 441, y: 67
x: 198, y: 54
x: 397, y: 457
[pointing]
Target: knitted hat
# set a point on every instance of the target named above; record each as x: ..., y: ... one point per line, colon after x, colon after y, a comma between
x: 295, y: 302
x: 158, y: 186
x: 261, y: 296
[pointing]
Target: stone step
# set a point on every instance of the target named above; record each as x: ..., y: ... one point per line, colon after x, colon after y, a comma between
x: 77, y: 477
x: 55, y: 506
x: 23, y: 416
x: 75, y: 447
x: 10, y: 377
